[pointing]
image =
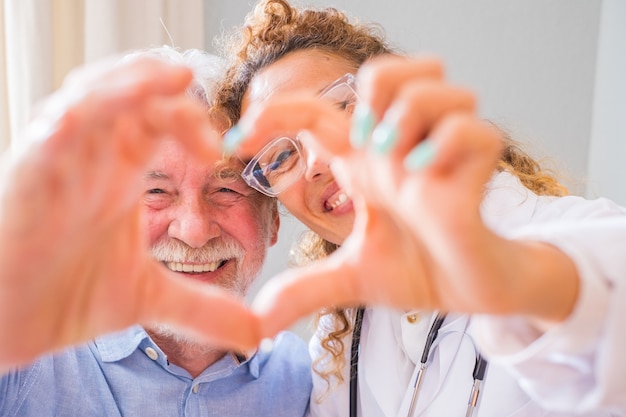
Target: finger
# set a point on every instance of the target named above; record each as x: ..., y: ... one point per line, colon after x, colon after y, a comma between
x: 415, y: 111
x: 289, y: 115
x: 207, y: 311
x: 464, y: 141
x: 85, y: 104
x: 135, y: 77
x: 186, y: 120
x: 122, y: 148
x: 299, y: 292
x: 380, y: 79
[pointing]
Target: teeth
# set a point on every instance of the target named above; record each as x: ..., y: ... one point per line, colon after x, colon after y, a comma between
x: 183, y: 267
x: 342, y: 198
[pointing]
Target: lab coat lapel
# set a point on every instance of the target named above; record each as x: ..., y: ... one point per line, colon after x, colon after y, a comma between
x: 382, y: 381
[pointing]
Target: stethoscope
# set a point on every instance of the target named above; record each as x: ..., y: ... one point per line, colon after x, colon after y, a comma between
x: 478, y: 373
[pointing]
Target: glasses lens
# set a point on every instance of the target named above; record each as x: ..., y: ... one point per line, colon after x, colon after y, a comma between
x: 280, y: 163
x: 275, y: 168
x: 342, y: 93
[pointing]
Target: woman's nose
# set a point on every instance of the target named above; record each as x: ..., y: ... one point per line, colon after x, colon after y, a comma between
x: 315, y: 166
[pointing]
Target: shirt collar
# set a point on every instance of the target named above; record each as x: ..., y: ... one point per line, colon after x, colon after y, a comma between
x: 251, y: 359
x: 117, y: 346
x: 120, y: 345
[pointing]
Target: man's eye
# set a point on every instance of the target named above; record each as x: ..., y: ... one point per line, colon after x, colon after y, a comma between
x: 156, y: 191
x: 226, y: 190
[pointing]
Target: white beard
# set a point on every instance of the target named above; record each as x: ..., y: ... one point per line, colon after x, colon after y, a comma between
x: 172, y: 250
x: 237, y: 283
x: 185, y: 343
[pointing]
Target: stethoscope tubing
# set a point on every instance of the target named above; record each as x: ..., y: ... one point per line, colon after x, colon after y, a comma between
x: 354, y: 360
x: 478, y: 372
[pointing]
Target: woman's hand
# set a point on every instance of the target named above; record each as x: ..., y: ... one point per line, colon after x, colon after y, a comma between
x: 417, y: 182
x: 75, y: 257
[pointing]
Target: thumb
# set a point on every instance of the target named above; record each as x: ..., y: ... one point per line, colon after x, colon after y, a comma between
x: 206, y: 311
x: 299, y: 292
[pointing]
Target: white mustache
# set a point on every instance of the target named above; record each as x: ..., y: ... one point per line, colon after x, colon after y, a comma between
x: 172, y: 250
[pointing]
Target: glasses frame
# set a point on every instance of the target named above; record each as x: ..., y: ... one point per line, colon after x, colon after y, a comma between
x: 349, y: 80
x: 248, y: 172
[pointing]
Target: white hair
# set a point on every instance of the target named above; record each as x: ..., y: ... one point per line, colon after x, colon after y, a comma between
x: 208, y: 69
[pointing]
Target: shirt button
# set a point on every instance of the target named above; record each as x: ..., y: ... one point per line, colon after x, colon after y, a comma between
x: 152, y: 354
x: 195, y: 389
x: 413, y: 318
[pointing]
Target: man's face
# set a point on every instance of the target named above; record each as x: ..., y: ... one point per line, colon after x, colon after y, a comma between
x: 209, y: 227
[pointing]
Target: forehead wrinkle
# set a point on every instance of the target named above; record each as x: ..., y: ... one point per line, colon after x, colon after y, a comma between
x: 156, y: 175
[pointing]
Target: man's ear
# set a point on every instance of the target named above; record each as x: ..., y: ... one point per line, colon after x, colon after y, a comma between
x: 274, y: 232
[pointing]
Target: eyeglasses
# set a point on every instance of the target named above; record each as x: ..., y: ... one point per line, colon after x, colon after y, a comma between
x: 281, y: 163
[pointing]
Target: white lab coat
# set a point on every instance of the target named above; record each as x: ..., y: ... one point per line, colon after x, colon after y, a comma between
x: 575, y: 367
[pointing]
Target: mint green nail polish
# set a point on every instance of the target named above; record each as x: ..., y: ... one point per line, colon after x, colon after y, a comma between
x: 362, y: 125
x: 420, y: 156
x: 232, y: 139
x: 384, y: 137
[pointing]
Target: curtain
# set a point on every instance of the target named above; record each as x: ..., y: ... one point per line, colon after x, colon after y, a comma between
x: 4, y: 96
x: 41, y: 40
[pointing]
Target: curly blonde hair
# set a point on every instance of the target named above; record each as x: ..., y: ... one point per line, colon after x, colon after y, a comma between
x: 274, y: 29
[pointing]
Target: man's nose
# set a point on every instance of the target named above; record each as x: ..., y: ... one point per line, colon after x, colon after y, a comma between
x: 194, y: 223
x: 315, y: 166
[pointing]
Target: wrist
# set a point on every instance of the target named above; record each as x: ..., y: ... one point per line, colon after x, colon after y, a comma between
x: 545, y: 283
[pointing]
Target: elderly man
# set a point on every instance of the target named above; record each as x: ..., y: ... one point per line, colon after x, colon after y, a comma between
x: 206, y: 225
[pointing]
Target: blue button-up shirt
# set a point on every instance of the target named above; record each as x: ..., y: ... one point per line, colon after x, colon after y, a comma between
x: 127, y: 374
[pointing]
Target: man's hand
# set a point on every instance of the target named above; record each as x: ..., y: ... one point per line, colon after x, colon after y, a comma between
x: 74, y: 254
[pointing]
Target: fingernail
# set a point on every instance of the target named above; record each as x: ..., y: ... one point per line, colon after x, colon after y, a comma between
x: 384, y: 137
x: 421, y: 156
x: 362, y: 125
x: 232, y: 139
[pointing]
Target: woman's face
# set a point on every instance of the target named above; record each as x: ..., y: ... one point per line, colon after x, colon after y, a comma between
x: 315, y: 199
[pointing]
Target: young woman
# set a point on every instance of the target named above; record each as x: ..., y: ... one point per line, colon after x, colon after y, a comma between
x: 450, y: 217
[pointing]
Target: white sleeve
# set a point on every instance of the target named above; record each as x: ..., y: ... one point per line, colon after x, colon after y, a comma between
x: 577, y: 365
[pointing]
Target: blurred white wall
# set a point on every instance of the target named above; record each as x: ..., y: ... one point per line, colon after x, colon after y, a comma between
x: 606, y: 167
